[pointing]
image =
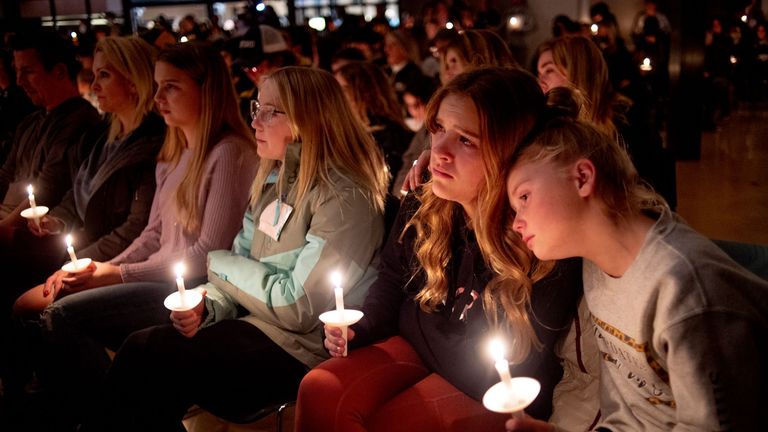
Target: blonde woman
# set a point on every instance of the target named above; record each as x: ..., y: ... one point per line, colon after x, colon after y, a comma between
x: 436, y: 303
x: 205, y: 168
x: 316, y: 208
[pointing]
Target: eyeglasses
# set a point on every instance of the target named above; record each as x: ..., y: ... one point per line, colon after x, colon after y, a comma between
x: 265, y: 114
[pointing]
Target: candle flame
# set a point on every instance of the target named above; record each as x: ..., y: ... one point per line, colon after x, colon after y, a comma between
x: 497, y: 349
x: 29, y: 189
x: 647, y: 61
x: 179, y: 269
x: 68, y: 239
x: 594, y: 28
x: 336, y: 279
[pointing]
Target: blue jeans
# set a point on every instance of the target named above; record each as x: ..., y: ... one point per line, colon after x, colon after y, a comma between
x: 76, y: 330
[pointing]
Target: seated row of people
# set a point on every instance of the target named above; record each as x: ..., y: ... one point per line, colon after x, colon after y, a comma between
x: 515, y: 184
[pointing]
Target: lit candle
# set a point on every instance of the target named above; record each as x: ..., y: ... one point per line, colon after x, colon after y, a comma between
x: 646, y: 66
x: 33, y: 205
x: 71, y: 250
x: 502, y: 365
x: 179, y: 269
x: 594, y: 28
x: 339, y: 293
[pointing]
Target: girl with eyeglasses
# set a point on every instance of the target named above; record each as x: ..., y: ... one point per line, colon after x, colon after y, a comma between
x: 204, y: 170
x: 316, y: 207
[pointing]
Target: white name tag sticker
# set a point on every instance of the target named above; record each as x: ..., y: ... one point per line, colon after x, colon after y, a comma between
x: 273, y: 218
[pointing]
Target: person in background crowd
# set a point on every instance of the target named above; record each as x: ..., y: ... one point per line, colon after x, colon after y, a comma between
x: 402, y: 60
x: 416, y: 98
x: 718, y: 48
x: 316, y: 208
x: 431, y: 63
x: 14, y: 104
x: 650, y: 9
x: 345, y: 56
x: 577, y: 62
x: 373, y: 100
x: 418, y: 358
x: 262, y: 50
x: 471, y: 49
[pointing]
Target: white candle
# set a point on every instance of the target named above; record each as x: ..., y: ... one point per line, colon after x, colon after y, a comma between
x: 646, y: 66
x: 71, y: 250
x: 502, y: 365
x: 338, y: 292
x: 179, y: 269
x: 33, y: 206
x: 31, y: 197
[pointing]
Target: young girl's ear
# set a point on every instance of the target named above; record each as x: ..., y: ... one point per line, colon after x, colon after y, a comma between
x: 584, y: 174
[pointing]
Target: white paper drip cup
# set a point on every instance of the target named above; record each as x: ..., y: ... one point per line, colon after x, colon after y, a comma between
x: 342, y: 320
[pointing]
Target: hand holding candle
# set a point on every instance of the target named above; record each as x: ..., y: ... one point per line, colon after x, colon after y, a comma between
x: 34, y: 211
x: 340, y: 317
x: 75, y: 265
x: 511, y: 395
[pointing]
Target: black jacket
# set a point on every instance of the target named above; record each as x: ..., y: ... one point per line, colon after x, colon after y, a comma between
x: 123, y: 191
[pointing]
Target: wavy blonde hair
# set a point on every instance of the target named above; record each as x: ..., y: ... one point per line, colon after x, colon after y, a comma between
x: 508, y: 103
x: 332, y: 138
x: 134, y: 60
x: 219, y: 116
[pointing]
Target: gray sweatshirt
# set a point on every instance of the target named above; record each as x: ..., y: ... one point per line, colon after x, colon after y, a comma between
x: 682, y: 337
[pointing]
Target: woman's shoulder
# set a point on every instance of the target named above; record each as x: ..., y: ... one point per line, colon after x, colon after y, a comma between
x: 233, y: 147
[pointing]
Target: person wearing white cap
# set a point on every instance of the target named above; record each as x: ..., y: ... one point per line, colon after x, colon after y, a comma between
x: 261, y: 50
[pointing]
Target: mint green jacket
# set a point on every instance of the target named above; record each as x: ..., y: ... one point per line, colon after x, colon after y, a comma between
x: 285, y: 284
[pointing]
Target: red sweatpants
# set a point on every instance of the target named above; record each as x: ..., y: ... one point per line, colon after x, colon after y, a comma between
x: 386, y: 387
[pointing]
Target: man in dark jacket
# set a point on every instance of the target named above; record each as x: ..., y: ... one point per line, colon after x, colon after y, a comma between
x: 41, y: 153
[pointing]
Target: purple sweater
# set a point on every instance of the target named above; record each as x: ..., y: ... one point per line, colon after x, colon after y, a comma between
x: 224, y: 194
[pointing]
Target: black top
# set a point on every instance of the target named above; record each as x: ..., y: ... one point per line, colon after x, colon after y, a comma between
x: 122, y: 189
x: 453, y: 341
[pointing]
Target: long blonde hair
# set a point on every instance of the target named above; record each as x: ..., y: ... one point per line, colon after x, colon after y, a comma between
x: 508, y: 102
x: 587, y: 71
x: 219, y: 116
x: 134, y: 59
x: 332, y: 138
